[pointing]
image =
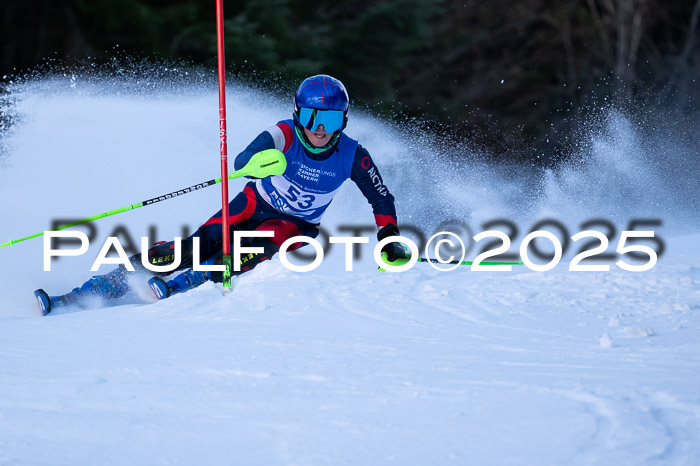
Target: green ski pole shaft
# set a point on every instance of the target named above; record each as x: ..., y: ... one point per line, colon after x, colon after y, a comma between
x: 123, y: 209
x: 435, y: 261
x: 263, y: 164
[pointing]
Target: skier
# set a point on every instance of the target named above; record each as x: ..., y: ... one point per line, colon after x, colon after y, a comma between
x: 320, y: 157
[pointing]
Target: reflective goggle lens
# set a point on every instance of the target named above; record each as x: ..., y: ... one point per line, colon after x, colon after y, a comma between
x: 311, y: 118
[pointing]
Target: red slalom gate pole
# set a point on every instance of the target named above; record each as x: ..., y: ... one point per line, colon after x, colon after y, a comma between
x: 223, y: 148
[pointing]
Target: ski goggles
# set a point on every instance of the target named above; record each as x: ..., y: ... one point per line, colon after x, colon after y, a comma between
x: 312, y: 118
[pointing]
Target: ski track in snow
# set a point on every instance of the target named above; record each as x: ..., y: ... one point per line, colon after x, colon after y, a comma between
x: 326, y: 367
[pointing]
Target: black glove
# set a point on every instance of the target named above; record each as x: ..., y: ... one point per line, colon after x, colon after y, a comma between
x: 393, y: 250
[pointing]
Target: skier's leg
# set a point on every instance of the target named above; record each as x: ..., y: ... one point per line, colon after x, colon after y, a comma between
x: 163, y: 253
x: 247, y: 213
x: 106, y: 287
x: 115, y: 284
x: 283, y: 229
x: 241, y: 209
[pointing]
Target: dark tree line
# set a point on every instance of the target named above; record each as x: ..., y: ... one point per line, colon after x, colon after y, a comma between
x: 502, y: 73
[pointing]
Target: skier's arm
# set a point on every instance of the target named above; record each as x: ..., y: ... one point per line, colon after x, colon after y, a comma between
x: 275, y: 137
x: 262, y: 142
x: 366, y: 176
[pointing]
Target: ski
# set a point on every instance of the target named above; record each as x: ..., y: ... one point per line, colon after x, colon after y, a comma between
x: 44, y: 301
x: 48, y: 303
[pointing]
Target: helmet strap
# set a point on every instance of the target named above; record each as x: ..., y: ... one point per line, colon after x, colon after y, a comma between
x: 307, y: 144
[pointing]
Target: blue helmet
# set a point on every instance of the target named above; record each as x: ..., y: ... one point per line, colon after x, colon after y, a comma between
x: 321, y: 100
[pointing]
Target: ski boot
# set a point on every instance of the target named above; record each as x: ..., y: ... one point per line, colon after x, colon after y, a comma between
x: 107, y: 287
x: 185, y: 281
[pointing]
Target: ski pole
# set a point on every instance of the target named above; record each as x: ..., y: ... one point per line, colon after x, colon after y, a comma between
x: 223, y: 146
x: 435, y: 261
x: 263, y: 164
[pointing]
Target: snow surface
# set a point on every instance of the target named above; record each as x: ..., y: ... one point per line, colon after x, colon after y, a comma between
x: 333, y: 367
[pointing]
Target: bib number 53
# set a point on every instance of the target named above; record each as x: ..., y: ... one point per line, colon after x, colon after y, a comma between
x: 302, y: 201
